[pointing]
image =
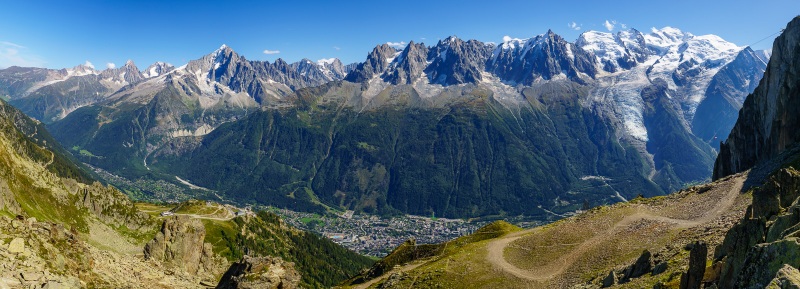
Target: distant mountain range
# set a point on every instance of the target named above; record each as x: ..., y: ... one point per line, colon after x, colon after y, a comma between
x: 535, y: 126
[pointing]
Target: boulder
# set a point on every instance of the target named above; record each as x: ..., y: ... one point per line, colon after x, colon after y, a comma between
x: 788, y: 277
x: 643, y: 265
x: 31, y: 276
x: 260, y: 272
x: 610, y: 280
x: 660, y: 268
x: 16, y: 246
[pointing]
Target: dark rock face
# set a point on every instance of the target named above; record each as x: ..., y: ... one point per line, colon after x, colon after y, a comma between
x: 409, y: 65
x: 643, y: 265
x: 717, y: 113
x: 770, y: 117
x: 693, y: 278
x: 260, y: 272
x: 454, y: 61
x: 377, y: 62
x: 180, y: 244
x: 610, y: 280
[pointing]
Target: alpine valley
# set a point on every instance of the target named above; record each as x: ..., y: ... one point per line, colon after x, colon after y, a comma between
x: 654, y: 160
x: 536, y: 127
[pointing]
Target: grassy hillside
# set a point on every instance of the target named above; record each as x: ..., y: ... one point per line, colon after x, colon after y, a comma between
x: 577, y: 251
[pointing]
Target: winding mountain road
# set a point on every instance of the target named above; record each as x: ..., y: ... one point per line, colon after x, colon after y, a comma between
x: 496, y: 248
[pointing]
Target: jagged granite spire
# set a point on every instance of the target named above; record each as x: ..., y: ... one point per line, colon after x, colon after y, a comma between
x: 770, y: 117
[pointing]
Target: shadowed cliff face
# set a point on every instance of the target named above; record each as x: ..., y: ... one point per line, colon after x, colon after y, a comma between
x: 761, y: 250
x: 770, y: 117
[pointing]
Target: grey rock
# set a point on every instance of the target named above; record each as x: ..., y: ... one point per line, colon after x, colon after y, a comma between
x: 455, y: 61
x: 179, y: 243
x: 376, y: 64
x: 31, y: 276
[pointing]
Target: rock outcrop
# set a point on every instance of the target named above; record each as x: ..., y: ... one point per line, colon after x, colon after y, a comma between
x: 757, y: 248
x: 770, y: 116
x: 788, y: 277
x: 180, y: 244
x: 693, y: 278
x: 112, y: 207
x: 643, y: 265
x: 260, y: 272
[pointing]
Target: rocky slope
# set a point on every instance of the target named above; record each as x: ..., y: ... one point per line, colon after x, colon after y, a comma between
x: 58, y: 227
x: 761, y: 250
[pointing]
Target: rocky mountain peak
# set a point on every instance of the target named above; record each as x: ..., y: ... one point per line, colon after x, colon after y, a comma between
x: 408, y: 65
x: 455, y: 61
x: 82, y: 69
x: 770, y: 117
x: 158, y: 69
x: 127, y: 74
x: 544, y: 57
x: 377, y: 62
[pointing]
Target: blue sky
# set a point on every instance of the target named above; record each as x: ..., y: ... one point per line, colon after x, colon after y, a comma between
x: 59, y: 34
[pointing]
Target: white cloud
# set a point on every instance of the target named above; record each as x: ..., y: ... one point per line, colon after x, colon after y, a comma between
x: 573, y: 26
x: 111, y: 65
x: 326, y: 61
x: 337, y: 48
x: 12, y: 54
x: 268, y: 52
x: 610, y: 24
x: 89, y: 64
x: 623, y: 26
x: 6, y: 43
x: 506, y: 38
x: 399, y: 45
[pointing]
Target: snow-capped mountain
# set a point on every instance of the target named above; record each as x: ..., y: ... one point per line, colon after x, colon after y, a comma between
x: 572, y: 109
x: 220, y: 75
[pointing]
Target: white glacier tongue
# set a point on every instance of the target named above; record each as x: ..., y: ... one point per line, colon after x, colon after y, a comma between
x: 685, y: 61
